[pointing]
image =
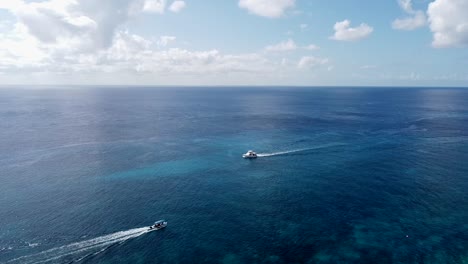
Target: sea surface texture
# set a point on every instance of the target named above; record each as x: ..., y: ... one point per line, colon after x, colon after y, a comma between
x: 344, y: 175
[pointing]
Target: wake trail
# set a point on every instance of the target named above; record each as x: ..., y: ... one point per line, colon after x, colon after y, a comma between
x: 102, y: 243
x: 299, y: 150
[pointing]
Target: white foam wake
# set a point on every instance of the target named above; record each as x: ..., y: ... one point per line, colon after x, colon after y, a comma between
x: 299, y: 150
x: 98, y: 244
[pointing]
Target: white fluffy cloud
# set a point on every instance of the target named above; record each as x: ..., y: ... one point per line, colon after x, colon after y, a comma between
x: 19, y: 49
x: 177, y: 6
x: 310, y: 61
x: 267, y: 8
x: 289, y: 45
x: 312, y: 47
x: 406, y: 5
x: 165, y: 40
x: 133, y: 53
x: 11, y: 4
x: 87, y: 36
x: 410, y: 23
x: 448, y: 21
x: 416, y: 19
x: 79, y: 26
x: 282, y: 46
x: 129, y: 53
x: 344, y: 31
x: 155, y: 6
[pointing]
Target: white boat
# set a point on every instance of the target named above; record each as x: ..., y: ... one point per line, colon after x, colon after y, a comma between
x: 250, y: 155
x: 158, y: 225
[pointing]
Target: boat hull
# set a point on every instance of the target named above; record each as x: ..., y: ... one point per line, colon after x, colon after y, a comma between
x: 154, y: 227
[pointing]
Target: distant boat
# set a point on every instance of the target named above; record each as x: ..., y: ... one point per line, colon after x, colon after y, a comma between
x: 158, y: 225
x: 250, y: 155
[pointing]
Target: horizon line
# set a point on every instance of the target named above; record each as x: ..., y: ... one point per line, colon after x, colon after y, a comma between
x: 2, y: 86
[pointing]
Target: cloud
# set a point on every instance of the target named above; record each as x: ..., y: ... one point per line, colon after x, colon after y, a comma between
x: 11, y: 4
x: 448, y: 21
x: 80, y: 26
x: 406, y: 5
x: 303, y: 27
x: 177, y: 6
x: 282, y: 46
x: 134, y: 53
x: 128, y: 53
x: 90, y: 38
x: 165, y: 40
x: 159, y: 6
x: 87, y: 36
x: 344, y: 31
x: 410, y: 23
x: 310, y: 61
x: 416, y: 19
x: 126, y: 46
x: 155, y: 6
x: 367, y: 67
x: 72, y: 26
x: 19, y: 49
x: 212, y: 61
x: 267, y: 8
x: 88, y: 42
x: 312, y: 47
x: 289, y: 45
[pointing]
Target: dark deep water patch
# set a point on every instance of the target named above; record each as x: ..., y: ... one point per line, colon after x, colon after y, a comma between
x: 380, y: 175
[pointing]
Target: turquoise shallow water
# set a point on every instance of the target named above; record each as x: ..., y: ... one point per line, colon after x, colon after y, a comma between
x: 345, y: 175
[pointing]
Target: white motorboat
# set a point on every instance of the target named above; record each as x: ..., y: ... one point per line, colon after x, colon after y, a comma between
x: 158, y: 225
x: 250, y: 155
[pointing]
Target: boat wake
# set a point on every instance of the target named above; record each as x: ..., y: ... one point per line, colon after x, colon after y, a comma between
x: 299, y: 150
x: 81, y: 249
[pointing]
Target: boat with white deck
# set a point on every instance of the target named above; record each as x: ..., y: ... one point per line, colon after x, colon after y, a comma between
x: 158, y: 225
x: 250, y: 155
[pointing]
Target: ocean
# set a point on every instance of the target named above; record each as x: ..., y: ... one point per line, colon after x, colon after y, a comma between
x: 344, y: 175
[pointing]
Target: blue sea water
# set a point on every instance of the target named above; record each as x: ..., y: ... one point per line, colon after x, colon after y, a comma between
x: 345, y: 175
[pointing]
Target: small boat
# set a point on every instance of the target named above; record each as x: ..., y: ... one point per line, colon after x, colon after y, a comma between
x: 250, y: 155
x: 158, y: 225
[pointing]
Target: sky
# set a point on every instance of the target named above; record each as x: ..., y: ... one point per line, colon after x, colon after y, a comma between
x: 234, y: 42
